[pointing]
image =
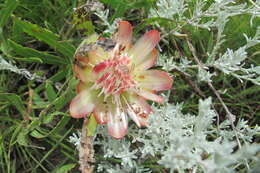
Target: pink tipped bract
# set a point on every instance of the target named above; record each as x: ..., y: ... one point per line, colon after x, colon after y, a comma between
x: 115, y: 80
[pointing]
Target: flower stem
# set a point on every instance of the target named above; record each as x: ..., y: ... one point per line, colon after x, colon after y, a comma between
x: 86, y: 150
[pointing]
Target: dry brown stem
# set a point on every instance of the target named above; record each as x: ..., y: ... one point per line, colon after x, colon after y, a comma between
x: 86, y: 150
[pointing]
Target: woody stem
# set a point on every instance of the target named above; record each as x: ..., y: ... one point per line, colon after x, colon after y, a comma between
x: 86, y: 150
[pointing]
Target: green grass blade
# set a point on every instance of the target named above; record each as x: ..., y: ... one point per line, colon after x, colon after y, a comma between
x: 52, y: 149
x: 48, y: 37
x: 51, y: 94
x: 10, y: 6
x: 14, y: 100
x: 62, y: 123
x: 55, y: 78
x: 29, y: 59
x: 32, y: 156
x: 29, y: 52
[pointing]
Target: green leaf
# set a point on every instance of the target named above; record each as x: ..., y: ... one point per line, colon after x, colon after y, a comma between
x: 48, y: 37
x: 15, y: 133
x: 3, y: 43
x: 59, y: 142
x: 120, y: 6
x: 49, y: 118
x: 36, y: 134
x: 38, y: 101
x: 62, y: 123
x: 29, y: 59
x: 65, y: 168
x: 63, y: 100
x: 14, y: 100
x: 10, y: 6
x: 1, y: 146
x: 55, y: 78
x: 22, y: 137
x: 91, y: 39
x: 29, y: 52
x: 92, y: 125
x: 51, y: 94
x: 123, y: 6
x: 87, y: 26
x: 34, y: 124
x: 67, y: 95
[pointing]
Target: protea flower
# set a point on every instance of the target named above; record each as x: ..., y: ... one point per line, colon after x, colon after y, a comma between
x: 115, y: 80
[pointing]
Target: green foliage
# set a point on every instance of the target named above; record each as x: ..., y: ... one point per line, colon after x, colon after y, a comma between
x: 34, y: 125
x: 48, y: 37
x: 10, y: 6
x: 65, y: 168
x: 38, y: 56
x: 92, y: 126
x: 38, y: 39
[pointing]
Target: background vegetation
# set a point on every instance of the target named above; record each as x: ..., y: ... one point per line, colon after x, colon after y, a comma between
x: 209, y: 123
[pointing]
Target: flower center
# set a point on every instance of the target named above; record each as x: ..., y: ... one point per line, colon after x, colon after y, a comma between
x: 114, y: 75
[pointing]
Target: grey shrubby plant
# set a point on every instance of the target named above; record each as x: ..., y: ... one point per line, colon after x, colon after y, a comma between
x: 182, y: 141
x: 103, y: 15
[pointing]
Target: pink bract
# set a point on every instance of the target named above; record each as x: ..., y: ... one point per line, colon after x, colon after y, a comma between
x: 115, y: 80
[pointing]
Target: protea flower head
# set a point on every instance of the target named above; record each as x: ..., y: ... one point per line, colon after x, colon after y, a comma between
x: 115, y: 80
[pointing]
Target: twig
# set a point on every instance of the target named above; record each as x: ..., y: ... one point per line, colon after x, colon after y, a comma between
x: 86, y: 150
x: 29, y: 105
x: 191, y: 83
x: 229, y: 114
x: 173, y: 31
